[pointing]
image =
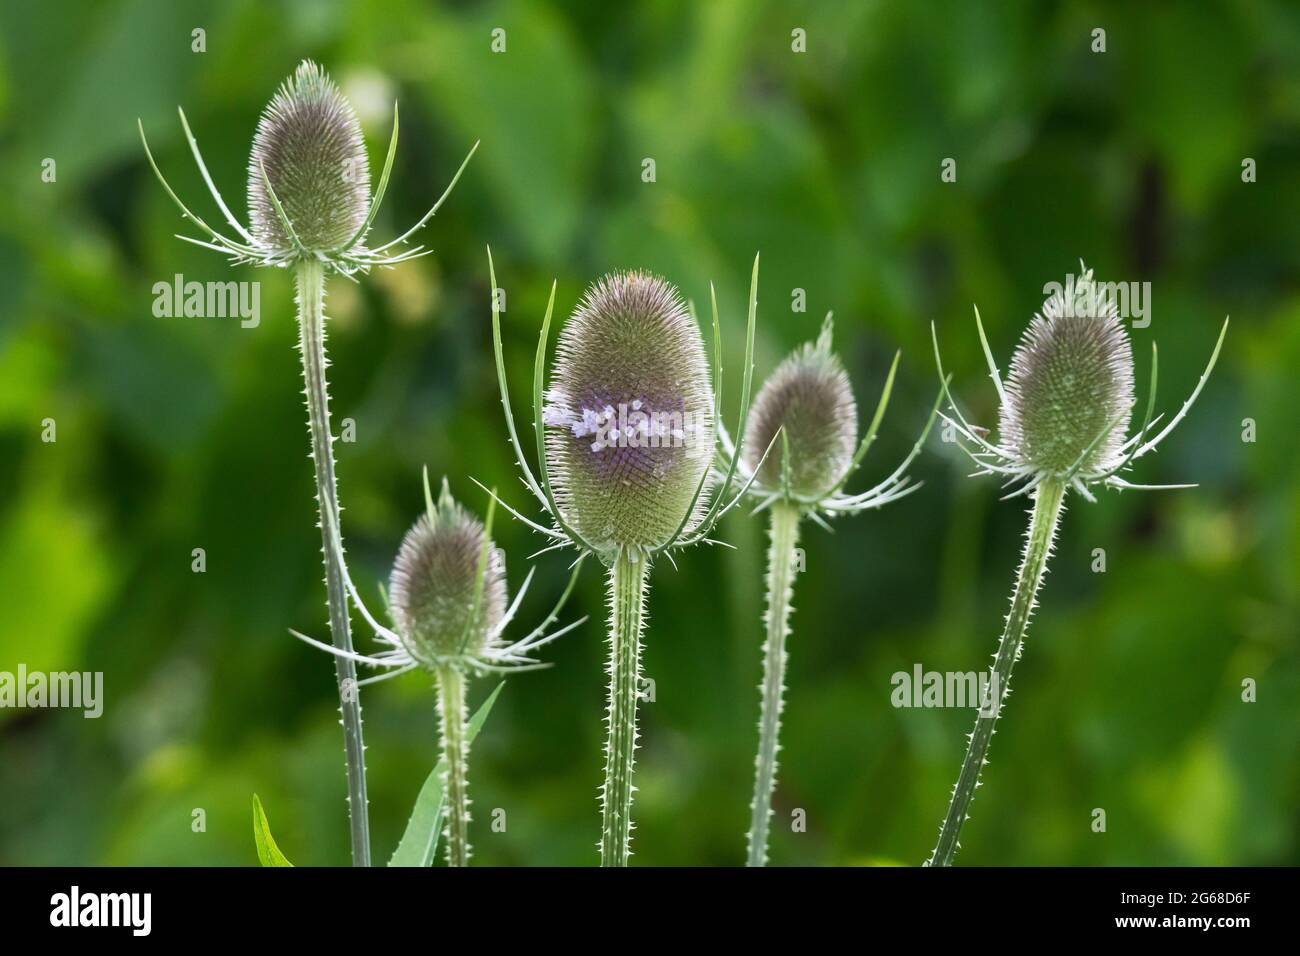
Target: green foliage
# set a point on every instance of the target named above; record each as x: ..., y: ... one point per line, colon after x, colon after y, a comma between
x: 180, y: 433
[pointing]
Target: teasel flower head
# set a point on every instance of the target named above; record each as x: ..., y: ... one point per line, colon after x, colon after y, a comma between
x: 1071, y: 377
x: 627, y: 431
x: 810, y: 400
x: 802, y: 443
x: 447, y: 592
x: 1066, y: 407
x: 308, y: 147
x: 448, y: 600
x: 629, y: 415
x: 308, y: 185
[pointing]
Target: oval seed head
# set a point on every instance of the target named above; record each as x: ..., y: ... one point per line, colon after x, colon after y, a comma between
x: 432, y: 588
x: 808, y: 395
x: 309, y: 142
x: 1071, y: 379
x: 629, y: 415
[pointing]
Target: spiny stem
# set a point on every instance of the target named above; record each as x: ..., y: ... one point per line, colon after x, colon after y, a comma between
x: 310, y: 280
x: 455, y: 748
x: 1048, y: 500
x: 627, y: 586
x: 784, y: 533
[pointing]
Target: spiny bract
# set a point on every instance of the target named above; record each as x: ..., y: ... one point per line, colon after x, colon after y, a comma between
x: 310, y: 144
x: 629, y: 416
x: 434, y: 582
x: 810, y: 396
x: 1071, y: 379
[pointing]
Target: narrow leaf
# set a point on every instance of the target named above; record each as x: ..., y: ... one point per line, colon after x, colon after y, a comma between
x: 267, y: 852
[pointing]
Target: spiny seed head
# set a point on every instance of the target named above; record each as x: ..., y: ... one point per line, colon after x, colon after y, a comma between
x: 1071, y: 378
x: 808, y: 395
x: 629, y: 416
x: 434, y: 581
x: 310, y: 144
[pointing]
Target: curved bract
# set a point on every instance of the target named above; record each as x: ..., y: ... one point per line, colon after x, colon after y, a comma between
x: 630, y: 415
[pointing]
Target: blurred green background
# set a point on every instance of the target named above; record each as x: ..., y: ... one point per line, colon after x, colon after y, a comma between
x: 182, y: 433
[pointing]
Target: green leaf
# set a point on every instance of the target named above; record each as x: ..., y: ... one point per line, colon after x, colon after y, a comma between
x: 420, y: 841
x: 267, y: 852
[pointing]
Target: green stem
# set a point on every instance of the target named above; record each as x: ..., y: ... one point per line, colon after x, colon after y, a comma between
x: 455, y: 748
x: 1048, y: 499
x: 310, y: 279
x: 784, y: 533
x: 627, y: 586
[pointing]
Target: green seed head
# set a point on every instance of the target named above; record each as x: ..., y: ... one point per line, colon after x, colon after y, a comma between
x: 629, y: 414
x: 1071, y: 379
x: 810, y: 397
x: 434, y: 582
x: 309, y: 142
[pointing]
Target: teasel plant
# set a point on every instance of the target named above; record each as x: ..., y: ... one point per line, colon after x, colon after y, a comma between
x: 626, y: 435
x: 807, y: 414
x: 1064, y: 416
x: 311, y: 210
x: 450, y: 609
